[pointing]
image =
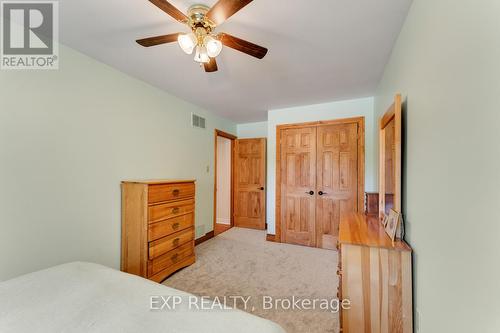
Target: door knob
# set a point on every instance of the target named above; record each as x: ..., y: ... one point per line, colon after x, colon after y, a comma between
x: 310, y: 192
x: 321, y: 193
x: 262, y: 188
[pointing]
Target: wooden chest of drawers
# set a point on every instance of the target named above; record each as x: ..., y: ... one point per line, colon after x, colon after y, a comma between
x: 157, y: 227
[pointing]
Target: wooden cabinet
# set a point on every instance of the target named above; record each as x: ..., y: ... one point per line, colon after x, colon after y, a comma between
x: 375, y: 272
x: 157, y: 227
x: 375, y: 275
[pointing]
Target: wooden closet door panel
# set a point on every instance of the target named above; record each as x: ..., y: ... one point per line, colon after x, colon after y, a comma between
x: 337, y: 178
x: 250, y: 180
x: 298, y: 178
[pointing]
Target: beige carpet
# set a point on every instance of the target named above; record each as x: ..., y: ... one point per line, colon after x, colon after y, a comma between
x: 241, y: 262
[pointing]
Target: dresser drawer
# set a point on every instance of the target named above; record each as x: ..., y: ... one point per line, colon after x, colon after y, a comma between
x: 168, y: 192
x: 165, y: 244
x: 167, y: 227
x: 170, y: 258
x: 168, y: 210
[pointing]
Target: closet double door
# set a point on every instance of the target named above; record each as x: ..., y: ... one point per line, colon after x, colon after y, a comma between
x: 319, y: 181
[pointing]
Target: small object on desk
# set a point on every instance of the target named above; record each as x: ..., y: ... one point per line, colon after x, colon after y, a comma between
x: 401, y: 227
x: 392, y: 224
x: 371, y: 203
x: 385, y: 220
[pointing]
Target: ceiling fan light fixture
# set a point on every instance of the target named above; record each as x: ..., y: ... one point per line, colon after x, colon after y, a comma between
x: 187, y: 42
x: 202, y: 40
x: 213, y: 45
x: 201, y: 55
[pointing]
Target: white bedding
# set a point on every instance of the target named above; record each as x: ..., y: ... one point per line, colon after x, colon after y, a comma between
x: 84, y: 297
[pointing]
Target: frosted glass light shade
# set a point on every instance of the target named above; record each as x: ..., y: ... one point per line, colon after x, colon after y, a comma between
x: 201, y: 55
x: 187, y: 42
x: 214, y: 46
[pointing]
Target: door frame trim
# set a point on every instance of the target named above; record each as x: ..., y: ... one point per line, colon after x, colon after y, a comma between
x: 231, y: 137
x: 360, y: 121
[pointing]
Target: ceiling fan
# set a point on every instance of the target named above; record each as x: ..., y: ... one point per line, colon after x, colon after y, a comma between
x: 202, y: 39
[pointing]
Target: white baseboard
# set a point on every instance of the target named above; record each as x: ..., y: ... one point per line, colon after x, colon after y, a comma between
x: 220, y: 220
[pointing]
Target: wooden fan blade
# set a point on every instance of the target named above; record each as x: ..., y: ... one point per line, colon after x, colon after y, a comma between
x: 243, y: 46
x: 168, y: 8
x: 224, y: 9
x: 211, y: 66
x: 152, y: 41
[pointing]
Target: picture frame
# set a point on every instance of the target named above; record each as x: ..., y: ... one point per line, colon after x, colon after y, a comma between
x: 392, y: 224
x: 384, y: 220
x: 401, y: 228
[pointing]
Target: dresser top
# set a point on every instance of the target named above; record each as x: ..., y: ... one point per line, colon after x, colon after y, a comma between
x: 359, y: 229
x: 159, y: 181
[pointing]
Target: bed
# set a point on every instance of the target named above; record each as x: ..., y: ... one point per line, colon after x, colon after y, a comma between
x: 85, y: 297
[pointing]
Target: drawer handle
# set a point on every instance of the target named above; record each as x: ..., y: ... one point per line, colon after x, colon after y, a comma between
x: 175, y: 226
x: 175, y: 210
x: 175, y: 192
x: 174, y: 257
x: 175, y: 242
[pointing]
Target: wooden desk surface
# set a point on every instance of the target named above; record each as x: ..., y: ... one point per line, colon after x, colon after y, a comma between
x: 359, y: 229
x: 159, y: 181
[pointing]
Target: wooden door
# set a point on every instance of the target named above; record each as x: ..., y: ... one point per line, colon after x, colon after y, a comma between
x: 337, y: 179
x: 250, y: 182
x: 298, y: 185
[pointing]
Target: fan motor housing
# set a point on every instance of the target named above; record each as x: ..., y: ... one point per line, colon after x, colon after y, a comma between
x: 198, y: 17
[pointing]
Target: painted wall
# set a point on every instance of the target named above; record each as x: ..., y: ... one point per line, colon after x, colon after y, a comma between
x: 446, y: 64
x: 335, y: 110
x: 252, y: 130
x: 67, y: 139
x: 223, y: 180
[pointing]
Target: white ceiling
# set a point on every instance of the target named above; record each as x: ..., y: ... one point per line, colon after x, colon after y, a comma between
x: 319, y: 50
